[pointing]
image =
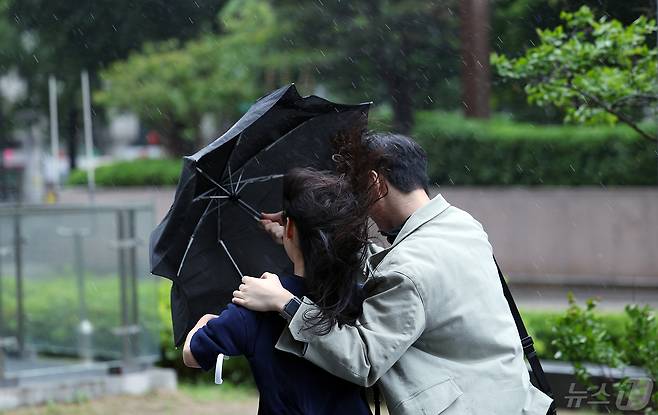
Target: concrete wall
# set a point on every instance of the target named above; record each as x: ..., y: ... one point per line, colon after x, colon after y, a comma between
x: 554, y: 235
x: 579, y: 235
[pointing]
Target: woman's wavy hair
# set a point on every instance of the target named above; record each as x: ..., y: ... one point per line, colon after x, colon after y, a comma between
x: 332, y: 225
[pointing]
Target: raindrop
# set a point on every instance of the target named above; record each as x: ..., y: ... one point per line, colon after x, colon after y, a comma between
x: 35, y: 58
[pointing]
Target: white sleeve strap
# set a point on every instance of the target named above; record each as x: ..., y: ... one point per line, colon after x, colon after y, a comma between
x: 218, y: 369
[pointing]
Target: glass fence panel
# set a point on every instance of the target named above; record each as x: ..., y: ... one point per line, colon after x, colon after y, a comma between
x: 75, y: 284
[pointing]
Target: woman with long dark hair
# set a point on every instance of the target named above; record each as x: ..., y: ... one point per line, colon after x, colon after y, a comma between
x: 325, y: 235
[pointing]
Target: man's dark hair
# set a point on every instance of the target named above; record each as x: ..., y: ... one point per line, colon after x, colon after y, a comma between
x: 400, y: 159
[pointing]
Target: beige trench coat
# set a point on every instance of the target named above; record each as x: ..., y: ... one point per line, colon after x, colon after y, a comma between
x: 436, y: 330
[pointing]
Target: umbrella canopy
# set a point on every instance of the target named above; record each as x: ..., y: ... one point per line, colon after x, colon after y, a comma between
x: 210, y: 236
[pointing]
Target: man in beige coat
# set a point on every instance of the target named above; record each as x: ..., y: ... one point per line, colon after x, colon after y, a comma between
x: 436, y: 330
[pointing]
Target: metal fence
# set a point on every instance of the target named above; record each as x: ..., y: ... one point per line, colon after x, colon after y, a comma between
x: 75, y: 290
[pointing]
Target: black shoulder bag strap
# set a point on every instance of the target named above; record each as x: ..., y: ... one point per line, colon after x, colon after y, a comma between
x: 376, y: 398
x: 527, y: 343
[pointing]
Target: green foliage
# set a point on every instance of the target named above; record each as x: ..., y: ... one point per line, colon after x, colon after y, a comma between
x: 500, y: 152
x: 63, y: 37
x: 640, y: 345
x: 143, y: 172
x: 580, y: 337
x: 596, y: 71
x: 462, y: 151
x: 172, y: 85
x: 401, y: 52
x: 541, y: 325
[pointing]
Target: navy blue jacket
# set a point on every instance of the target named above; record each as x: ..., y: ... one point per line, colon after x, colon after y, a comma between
x: 287, y: 384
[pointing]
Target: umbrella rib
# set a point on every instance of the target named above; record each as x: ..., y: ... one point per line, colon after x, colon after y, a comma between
x: 235, y: 265
x: 222, y: 188
x: 258, y: 180
x: 230, y: 177
x: 211, y: 197
x: 180, y: 267
x: 203, y: 195
x: 189, y: 244
x: 237, y: 185
x: 240, y: 202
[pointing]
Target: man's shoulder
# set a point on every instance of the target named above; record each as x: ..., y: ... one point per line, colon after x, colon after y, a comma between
x: 425, y: 254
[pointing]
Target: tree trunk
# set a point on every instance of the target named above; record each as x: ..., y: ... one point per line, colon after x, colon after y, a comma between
x: 403, y: 106
x: 476, y: 83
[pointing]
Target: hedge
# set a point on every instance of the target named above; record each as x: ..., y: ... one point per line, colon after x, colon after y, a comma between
x: 500, y: 152
x: 467, y: 152
x: 141, y: 172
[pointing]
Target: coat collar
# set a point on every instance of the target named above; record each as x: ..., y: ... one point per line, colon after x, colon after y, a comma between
x: 423, y: 215
x: 432, y: 209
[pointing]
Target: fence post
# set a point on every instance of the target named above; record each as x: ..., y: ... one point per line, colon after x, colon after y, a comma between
x: 3, y: 252
x: 18, y: 257
x: 126, y: 352
x: 132, y: 271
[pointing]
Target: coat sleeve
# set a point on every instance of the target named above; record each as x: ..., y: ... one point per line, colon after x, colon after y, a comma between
x: 228, y: 334
x: 393, y: 318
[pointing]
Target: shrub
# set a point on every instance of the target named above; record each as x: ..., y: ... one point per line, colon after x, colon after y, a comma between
x: 466, y: 152
x: 142, y: 172
x: 581, y: 337
x: 500, y: 152
x: 541, y: 326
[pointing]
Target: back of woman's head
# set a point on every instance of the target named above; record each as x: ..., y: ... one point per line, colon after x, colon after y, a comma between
x: 332, y: 227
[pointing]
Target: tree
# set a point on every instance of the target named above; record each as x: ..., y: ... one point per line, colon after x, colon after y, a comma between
x: 172, y: 85
x: 69, y: 35
x: 593, y: 70
x: 404, y: 53
x: 10, y: 52
x: 514, y: 29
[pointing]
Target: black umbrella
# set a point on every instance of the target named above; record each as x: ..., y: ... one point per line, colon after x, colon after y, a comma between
x: 210, y: 237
